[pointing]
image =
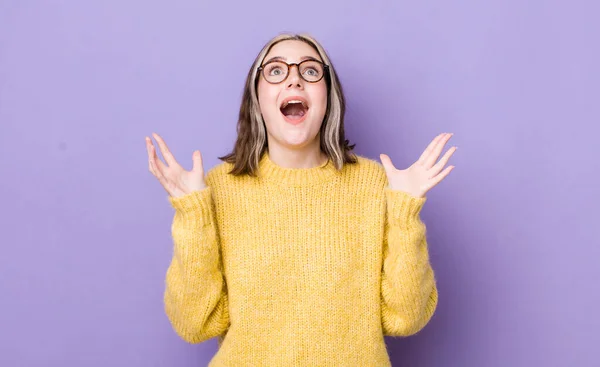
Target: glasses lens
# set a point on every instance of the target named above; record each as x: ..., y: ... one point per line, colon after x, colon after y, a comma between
x: 275, y: 72
x: 311, y: 71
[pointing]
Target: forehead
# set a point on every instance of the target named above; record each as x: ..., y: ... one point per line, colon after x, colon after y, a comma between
x: 292, y: 51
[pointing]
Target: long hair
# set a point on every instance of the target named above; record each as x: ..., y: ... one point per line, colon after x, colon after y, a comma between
x: 251, y: 140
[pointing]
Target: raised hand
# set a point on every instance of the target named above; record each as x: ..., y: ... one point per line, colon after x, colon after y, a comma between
x: 172, y: 176
x: 424, y: 174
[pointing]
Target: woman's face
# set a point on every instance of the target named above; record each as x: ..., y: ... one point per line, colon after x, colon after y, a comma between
x: 291, y: 124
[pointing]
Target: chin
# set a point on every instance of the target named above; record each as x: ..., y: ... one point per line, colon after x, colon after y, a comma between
x: 295, y: 140
x: 294, y: 134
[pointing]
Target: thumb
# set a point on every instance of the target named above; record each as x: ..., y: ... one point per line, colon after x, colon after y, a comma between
x: 387, y: 162
x: 197, y: 161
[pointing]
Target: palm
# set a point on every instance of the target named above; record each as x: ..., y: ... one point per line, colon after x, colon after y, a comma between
x: 191, y: 180
x: 425, y: 173
x: 175, y: 180
x: 179, y: 181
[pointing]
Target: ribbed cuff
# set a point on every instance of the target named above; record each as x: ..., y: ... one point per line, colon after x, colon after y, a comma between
x: 403, y: 208
x: 196, y: 202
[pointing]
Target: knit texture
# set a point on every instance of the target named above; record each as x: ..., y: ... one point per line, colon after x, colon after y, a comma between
x: 299, y: 266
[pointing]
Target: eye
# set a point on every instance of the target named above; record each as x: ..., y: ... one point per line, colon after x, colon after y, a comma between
x: 311, y: 72
x: 275, y: 71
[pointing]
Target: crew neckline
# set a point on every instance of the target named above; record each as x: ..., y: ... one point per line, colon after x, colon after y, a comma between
x: 270, y: 171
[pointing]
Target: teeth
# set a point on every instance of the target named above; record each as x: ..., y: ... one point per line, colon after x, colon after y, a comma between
x: 294, y: 101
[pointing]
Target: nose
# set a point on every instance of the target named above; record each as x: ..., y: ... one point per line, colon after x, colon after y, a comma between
x: 294, y: 80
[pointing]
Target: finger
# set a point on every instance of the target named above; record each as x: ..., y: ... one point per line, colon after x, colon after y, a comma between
x: 428, y: 150
x: 386, y: 162
x: 152, y: 166
x: 154, y: 170
x: 161, y: 178
x: 197, y: 161
x: 441, y: 176
x: 437, y: 149
x: 164, y: 150
x: 150, y: 156
x: 153, y: 156
x: 442, y: 162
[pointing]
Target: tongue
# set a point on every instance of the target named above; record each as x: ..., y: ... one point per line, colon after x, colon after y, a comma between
x: 293, y: 111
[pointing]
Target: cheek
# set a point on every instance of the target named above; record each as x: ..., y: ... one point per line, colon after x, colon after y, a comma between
x: 267, y: 97
x: 320, y: 98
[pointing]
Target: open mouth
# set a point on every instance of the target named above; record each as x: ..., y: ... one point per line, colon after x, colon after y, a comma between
x: 294, y: 109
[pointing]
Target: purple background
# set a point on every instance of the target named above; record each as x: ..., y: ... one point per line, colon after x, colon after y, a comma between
x: 513, y: 231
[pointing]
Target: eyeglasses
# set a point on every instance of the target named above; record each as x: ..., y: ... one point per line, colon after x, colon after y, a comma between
x: 310, y: 70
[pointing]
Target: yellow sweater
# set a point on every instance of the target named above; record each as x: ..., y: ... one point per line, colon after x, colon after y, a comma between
x: 299, y: 267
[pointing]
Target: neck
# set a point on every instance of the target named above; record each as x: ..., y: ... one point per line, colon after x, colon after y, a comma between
x: 306, y: 157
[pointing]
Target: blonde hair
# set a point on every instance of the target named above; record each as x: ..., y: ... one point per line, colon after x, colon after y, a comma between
x: 251, y: 140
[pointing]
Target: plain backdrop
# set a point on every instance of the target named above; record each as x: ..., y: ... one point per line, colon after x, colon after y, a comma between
x: 513, y: 231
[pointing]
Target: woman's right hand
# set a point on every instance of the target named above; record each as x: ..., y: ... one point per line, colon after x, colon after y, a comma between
x: 176, y: 180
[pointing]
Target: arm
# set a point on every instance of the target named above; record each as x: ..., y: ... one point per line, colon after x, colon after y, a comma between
x: 195, y: 297
x: 408, y: 288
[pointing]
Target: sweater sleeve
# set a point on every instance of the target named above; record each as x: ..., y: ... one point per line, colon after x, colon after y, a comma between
x: 195, y: 296
x: 408, y: 289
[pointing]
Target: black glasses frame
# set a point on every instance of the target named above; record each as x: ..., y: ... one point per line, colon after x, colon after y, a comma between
x: 261, y: 69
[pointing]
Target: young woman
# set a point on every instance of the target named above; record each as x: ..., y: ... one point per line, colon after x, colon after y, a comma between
x: 294, y: 251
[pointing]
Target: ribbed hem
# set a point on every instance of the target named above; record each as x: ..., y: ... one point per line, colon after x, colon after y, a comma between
x: 270, y: 171
x: 403, y: 208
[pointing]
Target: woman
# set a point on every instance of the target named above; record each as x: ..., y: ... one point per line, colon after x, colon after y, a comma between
x: 294, y: 251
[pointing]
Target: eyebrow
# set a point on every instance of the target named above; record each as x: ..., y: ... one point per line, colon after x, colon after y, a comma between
x: 281, y: 58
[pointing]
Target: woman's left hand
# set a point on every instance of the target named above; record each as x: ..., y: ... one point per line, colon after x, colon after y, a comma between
x: 425, y: 173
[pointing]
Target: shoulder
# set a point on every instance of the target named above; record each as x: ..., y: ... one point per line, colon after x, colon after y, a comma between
x: 367, y: 171
x: 218, y: 173
x: 369, y: 164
